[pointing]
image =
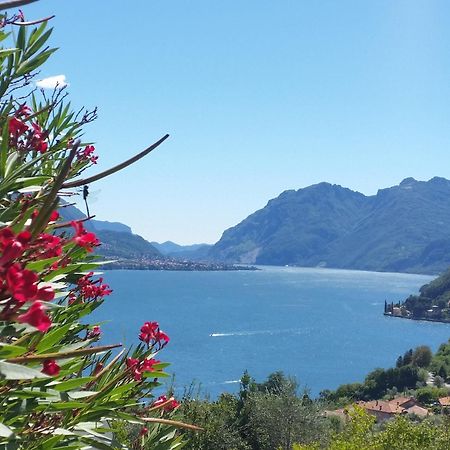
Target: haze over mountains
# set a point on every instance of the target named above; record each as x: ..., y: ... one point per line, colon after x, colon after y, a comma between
x: 404, y: 228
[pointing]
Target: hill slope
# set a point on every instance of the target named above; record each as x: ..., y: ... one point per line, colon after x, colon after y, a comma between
x: 404, y: 228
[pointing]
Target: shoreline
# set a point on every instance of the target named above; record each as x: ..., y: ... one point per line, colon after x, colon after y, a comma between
x: 424, y: 319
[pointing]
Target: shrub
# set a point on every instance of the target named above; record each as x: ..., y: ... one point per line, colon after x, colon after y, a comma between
x: 59, y: 388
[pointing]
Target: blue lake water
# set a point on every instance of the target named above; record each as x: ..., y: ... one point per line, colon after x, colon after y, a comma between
x: 325, y: 327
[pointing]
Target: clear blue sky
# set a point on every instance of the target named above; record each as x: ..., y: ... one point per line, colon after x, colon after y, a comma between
x: 258, y: 97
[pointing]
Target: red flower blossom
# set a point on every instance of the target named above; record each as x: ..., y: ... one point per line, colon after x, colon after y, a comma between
x: 83, y: 238
x: 38, y: 139
x: 169, y: 404
x: 36, y: 317
x: 87, y: 154
x: 23, y: 110
x: 152, y: 335
x: 12, y: 246
x: 134, y: 365
x: 49, y: 367
x: 93, y: 290
x: 144, y: 431
x: 22, y: 283
x: 45, y: 293
x: 147, y: 364
x: 95, y: 332
x: 16, y: 127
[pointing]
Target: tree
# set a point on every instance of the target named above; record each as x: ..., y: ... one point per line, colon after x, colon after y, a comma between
x: 422, y: 356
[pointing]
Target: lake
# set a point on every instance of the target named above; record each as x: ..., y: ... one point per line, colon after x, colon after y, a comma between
x: 325, y: 327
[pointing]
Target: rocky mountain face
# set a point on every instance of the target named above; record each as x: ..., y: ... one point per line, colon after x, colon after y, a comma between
x: 405, y: 228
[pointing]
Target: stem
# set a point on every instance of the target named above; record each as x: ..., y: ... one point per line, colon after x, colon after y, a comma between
x: 62, y: 355
x: 99, y: 176
x: 33, y: 22
x: 48, y: 207
x: 175, y: 423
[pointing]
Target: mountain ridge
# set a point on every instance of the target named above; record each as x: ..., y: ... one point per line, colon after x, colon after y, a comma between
x: 397, y: 229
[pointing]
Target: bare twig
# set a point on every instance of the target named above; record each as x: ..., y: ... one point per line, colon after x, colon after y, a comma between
x: 69, y: 224
x: 15, y: 4
x: 174, y: 423
x: 33, y: 22
x: 99, y: 176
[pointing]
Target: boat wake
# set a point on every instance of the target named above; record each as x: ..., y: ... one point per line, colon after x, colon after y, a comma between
x: 256, y: 332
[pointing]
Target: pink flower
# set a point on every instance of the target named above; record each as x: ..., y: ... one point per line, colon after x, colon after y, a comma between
x: 147, y: 364
x: 83, y: 238
x: 49, y: 367
x: 36, y: 317
x: 16, y: 127
x: 152, y: 335
x: 169, y: 404
x: 95, y: 332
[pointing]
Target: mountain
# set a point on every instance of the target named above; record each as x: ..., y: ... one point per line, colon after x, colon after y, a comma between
x: 194, y: 252
x: 118, y: 242
x: 405, y: 228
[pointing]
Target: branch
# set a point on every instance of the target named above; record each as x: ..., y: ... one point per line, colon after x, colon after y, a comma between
x: 15, y: 3
x: 174, y: 423
x: 99, y: 176
x: 62, y: 355
x: 33, y: 22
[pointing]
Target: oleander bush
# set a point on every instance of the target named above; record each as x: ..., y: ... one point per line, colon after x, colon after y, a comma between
x: 59, y: 387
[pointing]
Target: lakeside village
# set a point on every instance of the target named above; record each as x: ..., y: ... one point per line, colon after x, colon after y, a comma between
x: 172, y: 264
x: 432, y: 303
x: 384, y: 410
x: 433, y: 314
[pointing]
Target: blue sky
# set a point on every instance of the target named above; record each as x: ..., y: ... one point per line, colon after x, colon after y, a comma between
x: 258, y: 97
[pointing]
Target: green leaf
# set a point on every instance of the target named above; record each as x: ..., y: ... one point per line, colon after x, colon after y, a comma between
x: 148, y: 374
x: 8, y: 51
x: 59, y: 406
x: 34, y: 394
x: 17, y: 372
x: 52, y: 337
x: 5, y: 431
x: 48, y: 444
x: 71, y: 384
x: 12, y: 158
x: 80, y: 394
x: 9, y: 351
x: 21, y: 38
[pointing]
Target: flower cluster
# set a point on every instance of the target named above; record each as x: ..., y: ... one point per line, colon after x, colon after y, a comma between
x: 152, y: 335
x: 168, y: 404
x: 91, y: 290
x: 50, y: 367
x: 19, y: 285
x: 137, y: 367
x: 87, y: 154
x: 83, y: 238
x: 24, y: 137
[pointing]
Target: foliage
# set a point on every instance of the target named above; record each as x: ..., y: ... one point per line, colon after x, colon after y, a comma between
x: 433, y: 301
x: 398, y: 434
x: 262, y: 416
x: 408, y: 374
x: 58, y: 387
x: 440, y: 363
